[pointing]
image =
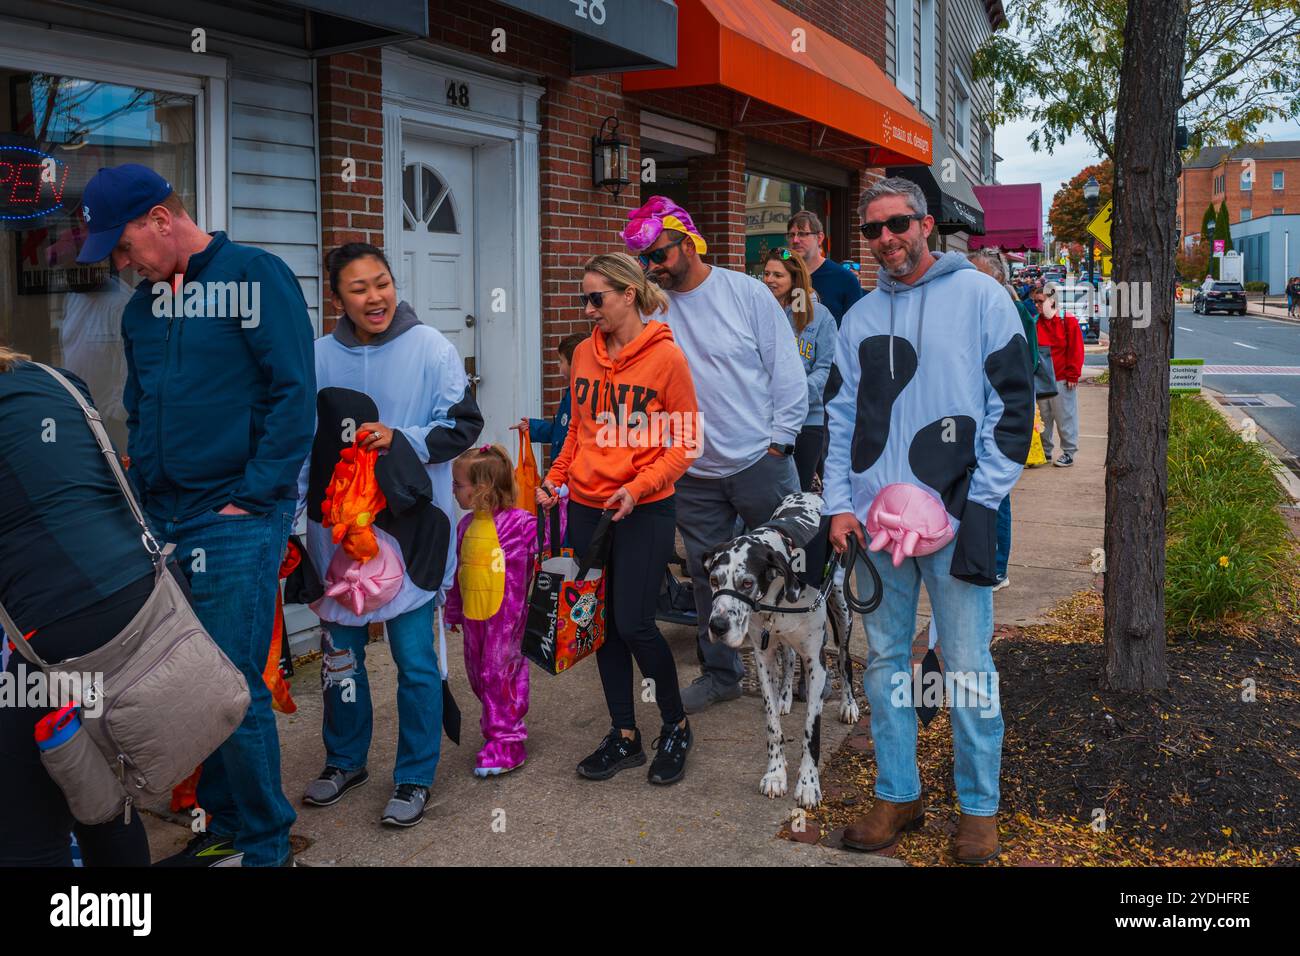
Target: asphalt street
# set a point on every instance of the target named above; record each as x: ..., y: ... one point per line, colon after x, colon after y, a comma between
x: 1248, y: 341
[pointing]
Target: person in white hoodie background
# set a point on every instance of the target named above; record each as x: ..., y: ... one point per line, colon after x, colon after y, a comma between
x: 753, y: 401
x: 929, y: 388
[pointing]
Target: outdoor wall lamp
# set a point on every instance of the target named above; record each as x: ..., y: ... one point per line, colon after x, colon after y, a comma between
x: 609, y: 159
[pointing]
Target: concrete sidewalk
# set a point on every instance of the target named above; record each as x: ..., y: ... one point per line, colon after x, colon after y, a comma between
x: 545, y: 814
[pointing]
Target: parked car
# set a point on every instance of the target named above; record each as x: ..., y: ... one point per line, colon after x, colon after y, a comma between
x: 1086, y: 304
x: 1227, y: 297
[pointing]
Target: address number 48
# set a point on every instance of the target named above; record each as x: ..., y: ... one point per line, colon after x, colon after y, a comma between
x: 593, y: 10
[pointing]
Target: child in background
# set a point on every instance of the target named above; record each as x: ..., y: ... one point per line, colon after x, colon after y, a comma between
x: 557, y: 429
x: 496, y: 543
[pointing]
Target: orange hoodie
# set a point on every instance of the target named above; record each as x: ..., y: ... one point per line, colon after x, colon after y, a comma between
x: 635, y: 420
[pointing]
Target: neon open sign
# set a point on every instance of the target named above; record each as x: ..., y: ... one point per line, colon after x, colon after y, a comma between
x: 31, y: 183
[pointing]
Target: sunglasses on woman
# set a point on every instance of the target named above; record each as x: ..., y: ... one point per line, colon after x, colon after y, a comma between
x: 597, y: 299
x: 896, y: 224
x: 659, y: 256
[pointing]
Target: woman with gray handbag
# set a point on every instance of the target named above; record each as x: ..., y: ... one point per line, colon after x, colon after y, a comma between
x: 113, y: 691
x: 73, y: 574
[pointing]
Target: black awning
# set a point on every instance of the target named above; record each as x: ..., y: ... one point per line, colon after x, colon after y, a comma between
x: 341, y: 24
x: 612, y: 36
x: 953, y: 204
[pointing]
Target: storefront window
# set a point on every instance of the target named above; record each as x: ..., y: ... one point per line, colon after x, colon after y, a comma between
x: 769, y: 204
x: 55, y: 134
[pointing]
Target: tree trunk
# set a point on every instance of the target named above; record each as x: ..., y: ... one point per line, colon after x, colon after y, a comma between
x: 1150, y: 87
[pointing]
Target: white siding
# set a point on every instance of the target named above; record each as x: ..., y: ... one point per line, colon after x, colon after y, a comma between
x: 274, y: 199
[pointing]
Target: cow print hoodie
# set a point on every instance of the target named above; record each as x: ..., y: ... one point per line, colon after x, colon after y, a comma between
x: 930, y: 387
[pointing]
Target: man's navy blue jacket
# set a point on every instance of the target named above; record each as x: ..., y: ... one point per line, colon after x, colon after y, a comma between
x: 220, y: 410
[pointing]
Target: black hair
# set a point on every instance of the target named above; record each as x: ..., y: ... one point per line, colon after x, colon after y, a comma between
x: 340, y: 258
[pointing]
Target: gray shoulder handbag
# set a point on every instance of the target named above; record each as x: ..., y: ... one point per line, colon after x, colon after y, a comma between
x: 166, y: 696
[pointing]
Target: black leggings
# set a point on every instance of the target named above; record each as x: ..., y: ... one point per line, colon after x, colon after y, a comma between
x: 35, y: 821
x: 809, y: 450
x: 638, y: 559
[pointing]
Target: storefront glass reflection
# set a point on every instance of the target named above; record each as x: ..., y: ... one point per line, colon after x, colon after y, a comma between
x: 55, y: 133
x: 769, y: 204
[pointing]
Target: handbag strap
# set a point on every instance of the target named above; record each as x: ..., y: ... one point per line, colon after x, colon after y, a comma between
x: 598, y: 549
x: 110, y: 454
x: 156, y: 552
x: 554, y: 518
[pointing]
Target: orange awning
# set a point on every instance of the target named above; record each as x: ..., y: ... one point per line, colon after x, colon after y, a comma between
x: 749, y: 46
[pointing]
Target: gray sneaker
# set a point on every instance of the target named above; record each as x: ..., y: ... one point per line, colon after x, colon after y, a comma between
x: 704, y: 692
x: 329, y: 787
x: 406, y: 806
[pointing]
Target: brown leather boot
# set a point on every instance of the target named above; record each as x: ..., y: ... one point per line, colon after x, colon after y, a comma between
x: 976, y: 840
x: 883, y: 824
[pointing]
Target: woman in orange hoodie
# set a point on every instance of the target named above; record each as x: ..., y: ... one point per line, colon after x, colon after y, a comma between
x: 633, y: 431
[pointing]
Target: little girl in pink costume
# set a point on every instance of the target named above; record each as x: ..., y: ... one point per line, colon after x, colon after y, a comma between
x: 496, y: 543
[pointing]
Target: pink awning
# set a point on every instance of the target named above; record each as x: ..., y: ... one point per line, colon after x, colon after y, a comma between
x: 1013, y: 217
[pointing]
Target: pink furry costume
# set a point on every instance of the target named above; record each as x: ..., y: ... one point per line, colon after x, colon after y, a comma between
x: 489, y: 601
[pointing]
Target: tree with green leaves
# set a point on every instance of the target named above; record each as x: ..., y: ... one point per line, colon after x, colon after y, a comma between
x: 1058, y: 65
x: 1211, y: 216
x: 1223, y: 227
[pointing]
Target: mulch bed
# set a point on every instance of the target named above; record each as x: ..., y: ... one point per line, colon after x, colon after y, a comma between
x: 1193, y: 775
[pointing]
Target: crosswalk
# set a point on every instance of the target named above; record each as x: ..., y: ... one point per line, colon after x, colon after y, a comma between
x: 1250, y: 370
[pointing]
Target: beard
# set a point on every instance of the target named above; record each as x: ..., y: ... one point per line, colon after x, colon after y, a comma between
x: 669, y: 278
x: 916, y: 248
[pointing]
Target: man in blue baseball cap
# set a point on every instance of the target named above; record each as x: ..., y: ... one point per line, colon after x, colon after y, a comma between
x: 220, y: 401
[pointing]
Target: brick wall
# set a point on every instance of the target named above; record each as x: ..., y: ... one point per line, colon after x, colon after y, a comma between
x: 1198, y: 190
x: 351, y: 128
x: 716, y: 187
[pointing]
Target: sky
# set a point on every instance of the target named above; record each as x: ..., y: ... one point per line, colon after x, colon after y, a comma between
x: 1020, y: 164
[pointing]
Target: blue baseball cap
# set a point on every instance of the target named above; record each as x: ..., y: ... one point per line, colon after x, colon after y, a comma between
x: 115, y: 196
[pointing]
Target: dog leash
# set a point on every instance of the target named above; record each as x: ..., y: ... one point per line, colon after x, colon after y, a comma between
x: 854, y: 553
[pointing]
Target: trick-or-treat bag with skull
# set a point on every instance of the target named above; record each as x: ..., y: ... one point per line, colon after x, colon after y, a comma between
x: 566, y: 606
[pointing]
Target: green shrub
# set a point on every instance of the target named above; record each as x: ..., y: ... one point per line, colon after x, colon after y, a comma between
x: 1256, y: 286
x: 1228, y: 550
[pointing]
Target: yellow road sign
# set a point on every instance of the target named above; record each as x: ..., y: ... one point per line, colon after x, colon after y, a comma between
x: 1100, y: 225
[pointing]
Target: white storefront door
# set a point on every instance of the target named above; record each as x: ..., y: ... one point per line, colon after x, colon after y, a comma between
x: 438, y: 242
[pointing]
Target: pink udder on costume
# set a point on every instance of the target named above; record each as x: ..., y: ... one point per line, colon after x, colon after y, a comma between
x: 363, y: 588
x: 908, y: 522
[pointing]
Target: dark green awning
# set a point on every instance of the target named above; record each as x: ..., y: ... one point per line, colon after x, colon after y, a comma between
x: 612, y: 36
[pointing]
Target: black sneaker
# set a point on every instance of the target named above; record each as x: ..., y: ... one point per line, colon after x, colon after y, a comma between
x: 615, y: 753
x: 1065, y: 461
x: 206, y: 849
x: 670, y: 746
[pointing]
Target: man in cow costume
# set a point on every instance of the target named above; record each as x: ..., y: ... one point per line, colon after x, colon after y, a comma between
x: 930, y: 422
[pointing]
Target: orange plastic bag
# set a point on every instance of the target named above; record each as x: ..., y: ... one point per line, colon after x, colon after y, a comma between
x: 526, y: 475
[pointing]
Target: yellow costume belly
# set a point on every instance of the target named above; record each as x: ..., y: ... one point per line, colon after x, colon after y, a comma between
x: 482, y: 570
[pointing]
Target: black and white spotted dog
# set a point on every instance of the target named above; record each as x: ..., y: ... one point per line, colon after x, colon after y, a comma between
x: 760, y: 570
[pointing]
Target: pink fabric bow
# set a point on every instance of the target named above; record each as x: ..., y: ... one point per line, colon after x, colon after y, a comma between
x: 908, y: 521
x: 363, y: 588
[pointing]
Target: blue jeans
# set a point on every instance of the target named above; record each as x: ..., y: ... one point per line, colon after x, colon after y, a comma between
x: 964, y: 618
x: 349, y: 718
x: 233, y: 566
x: 1004, y: 537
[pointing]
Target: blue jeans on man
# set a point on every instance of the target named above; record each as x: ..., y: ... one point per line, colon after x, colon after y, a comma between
x: 233, y: 566
x: 1003, y: 553
x: 349, y: 716
x: 963, y: 616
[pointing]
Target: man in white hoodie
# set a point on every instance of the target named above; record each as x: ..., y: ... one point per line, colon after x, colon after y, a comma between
x: 933, y: 391
x: 753, y: 400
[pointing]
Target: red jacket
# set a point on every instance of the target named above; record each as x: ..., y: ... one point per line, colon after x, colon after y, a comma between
x: 1065, y: 337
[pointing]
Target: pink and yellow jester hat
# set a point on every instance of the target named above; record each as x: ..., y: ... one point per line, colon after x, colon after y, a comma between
x: 648, y: 222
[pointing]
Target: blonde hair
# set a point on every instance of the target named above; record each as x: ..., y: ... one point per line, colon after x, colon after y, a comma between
x: 622, y: 271
x: 799, y: 279
x: 491, y: 476
x: 9, y: 358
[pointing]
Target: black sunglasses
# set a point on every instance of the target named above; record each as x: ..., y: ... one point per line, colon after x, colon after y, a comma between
x: 897, y: 225
x: 597, y: 299
x: 659, y: 256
